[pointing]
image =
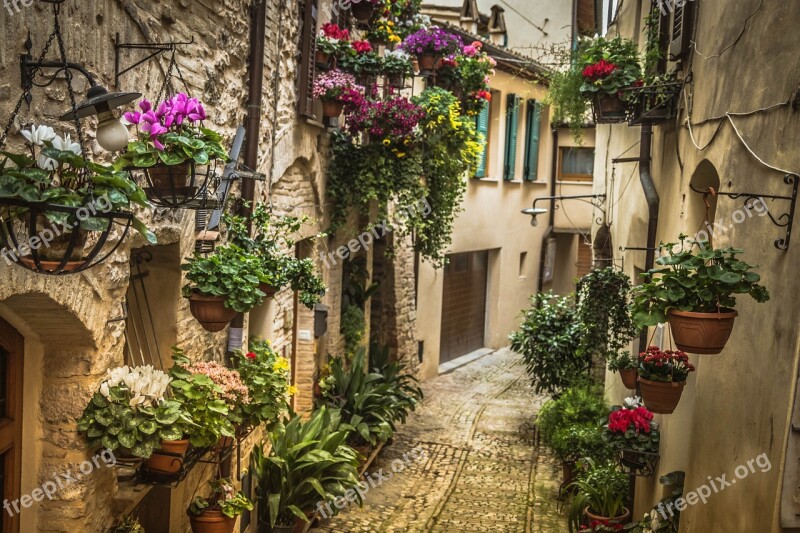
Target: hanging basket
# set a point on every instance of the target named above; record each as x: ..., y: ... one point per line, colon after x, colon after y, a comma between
x: 168, y: 459
x: 703, y: 333
x: 653, y: 104
x: 635, y: 463
x: 629, y: 376
x: 609, y: 109
x: 210, y: 311
x: 212, y: 522
x: 659, y: 397
x: 332, y: 108
x: 183, y: 186
x: 325, y: 61
x: 363, y: 11
x: 427, y: 63
x: 30, y: 241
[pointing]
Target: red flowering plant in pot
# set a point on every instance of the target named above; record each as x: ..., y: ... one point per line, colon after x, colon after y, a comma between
x: 662, y: 377
x: 332, y: 42
x: 635, y: 437
x: 392, y: 121
x: 607, y: 67
x: 362, y: 60
x: 694, y: 287
x: 467, y: 74
x: 335, y: 88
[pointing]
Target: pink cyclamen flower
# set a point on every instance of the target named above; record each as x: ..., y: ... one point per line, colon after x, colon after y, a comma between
x: 133, y: 117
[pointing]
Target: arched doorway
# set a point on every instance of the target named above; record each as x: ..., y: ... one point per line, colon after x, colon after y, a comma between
x: 12, y: 349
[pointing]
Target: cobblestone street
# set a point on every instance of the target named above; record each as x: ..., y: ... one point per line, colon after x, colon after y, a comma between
x: 479, y: 471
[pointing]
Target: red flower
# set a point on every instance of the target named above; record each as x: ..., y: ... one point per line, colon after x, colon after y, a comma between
x: 250, y: 355
x: 362, y: 47
x: 599, y: 70
x: 335, y: 32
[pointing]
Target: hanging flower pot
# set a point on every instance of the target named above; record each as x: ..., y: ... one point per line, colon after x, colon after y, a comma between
x: 427, y: 62
x: 363, y: 10
x: 69, y: 246
x: 638, y: 463
x: 210, y: 311
x: 169, y: 458
x: 325, y: 60
x: 659, y: 397
x: 609, y: 109
x: 629, y: 376
x: 703, y: 333
x: 212, y: 522
x: 268, y: 289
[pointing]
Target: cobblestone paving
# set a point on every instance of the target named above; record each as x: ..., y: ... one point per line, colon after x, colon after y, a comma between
x: 480, y: 470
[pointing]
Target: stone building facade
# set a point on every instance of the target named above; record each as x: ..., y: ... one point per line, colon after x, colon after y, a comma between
x: 73, y: 326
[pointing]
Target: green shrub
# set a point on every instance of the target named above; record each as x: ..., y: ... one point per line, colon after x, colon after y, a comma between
x: 562, y: 423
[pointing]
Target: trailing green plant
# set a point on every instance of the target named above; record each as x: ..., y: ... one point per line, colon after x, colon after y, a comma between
x: 308, y: 464
x: 133, y: 409
x: 705, y: 281
x: 224, y: 498
x: 266, y: 375
x: 353, y: 327
x: 564, y: 93
x: 202, y: 400
x: 229, y: 271
x: 548, y: 340
x: 604, y: 308
x: 600, y: 487
x: 366, y: 401
x: 404, y: 387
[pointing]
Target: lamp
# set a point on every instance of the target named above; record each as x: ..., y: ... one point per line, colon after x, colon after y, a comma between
x: 534, y: 213
x: 594, y: 199
x: 111, y: 133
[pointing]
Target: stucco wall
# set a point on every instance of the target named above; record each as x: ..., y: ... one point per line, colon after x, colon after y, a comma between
x: 736, y: 406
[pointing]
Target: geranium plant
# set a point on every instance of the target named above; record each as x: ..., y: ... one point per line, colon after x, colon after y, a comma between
x: 468, y: 73
x: 171, y: 133
x: 224, y: 498
x: 664, y: 366
x: 230, y: 272
x: 609, y: 65
x: 132, y: 409
x: 361, y: 59
x: 266, y: 375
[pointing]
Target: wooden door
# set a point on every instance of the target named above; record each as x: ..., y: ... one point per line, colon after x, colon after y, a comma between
x: 11, y: 354
x: 463, y: 305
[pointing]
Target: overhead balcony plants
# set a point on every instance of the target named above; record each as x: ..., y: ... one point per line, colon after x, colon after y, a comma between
x: 391, y: 121
x: 634, y: 436
x: 221, y: 284
x: 467, y: 74
x: 363, y: 62
x: 217, y: 513
x: 364, y: 10
x: 430, y: 45
x: 59, y: 209
x: 601, y: 491
x: 133, y: 411
x: 332, y: 43
x: 694, y: 287
x: 608, y: 66
x: 662, y: 377
x: 335, y: 88
x: 173, y: 150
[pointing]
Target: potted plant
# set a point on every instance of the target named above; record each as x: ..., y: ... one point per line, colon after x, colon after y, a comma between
x: 608, y: 66
x: 306, y: 469
x: 363, y: 10
x: 601, y: 491
x: 382, y: 33
x: 694, y: 287
x: 390, y: 120
x: 467, y: 74
x: 218, y: 512
x: 132, y: 410
x: 404, y: 387
x: 626, y: 364
x: 335, y: 88
x: 332, y: 41
x: 430, y: 45
x: 634, y: 435
x: 221, y: 284
x: 204, y: 399
x: 170, y: 143
x: 396, y: 66
x: 128, y: 525
x: 662, y: 376
x: 362, y: 61
x: 89, y: 196
x: 266, y: 375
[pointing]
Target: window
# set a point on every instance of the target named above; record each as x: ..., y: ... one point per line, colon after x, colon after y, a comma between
x: 576, y: 164
x: 11, y: 353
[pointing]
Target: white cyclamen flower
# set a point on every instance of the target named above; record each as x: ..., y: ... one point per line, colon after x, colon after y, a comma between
x: 66, y: 145
x: 633, y: 402
x: 38, y: 135
x: 104, y: 390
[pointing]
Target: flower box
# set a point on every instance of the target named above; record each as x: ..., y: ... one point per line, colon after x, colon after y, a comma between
x: 652, y: 104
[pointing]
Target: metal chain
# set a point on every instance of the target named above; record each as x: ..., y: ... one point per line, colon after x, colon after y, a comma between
x: 166, y: 89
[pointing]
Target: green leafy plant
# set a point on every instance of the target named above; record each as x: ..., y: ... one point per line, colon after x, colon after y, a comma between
x: 397, y: 62
x: 548, y: 341
x: 564, y: 94
x: 229, y: 271
x: 224, y: 498
x: 128, y: 525
x: 608, y: 65
x: 570, y: 425
x: 202, y: 400
x: 632, y: 428
x: 573, y: 443
x: 308, y: 463
x: 604, y: 307
x: 353, y: 327
x: 132, y: 409
x: 692, y: 276
x: 622, y: 361
x: 404, y: 387
x: 267, y: 377
x: 602, y: 488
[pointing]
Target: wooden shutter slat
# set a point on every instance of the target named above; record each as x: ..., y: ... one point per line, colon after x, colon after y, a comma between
x: 482, y: 126
x: 512, y: 125
x: 533, y: 132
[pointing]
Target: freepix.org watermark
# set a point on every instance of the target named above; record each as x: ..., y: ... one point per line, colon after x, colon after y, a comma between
x: 61, y: 480
x: 15, y: 6
x: 757, y: 205
x: 371, y: 480
x: 43, y: 239
x: 670, y: 5
x: 719, y: 483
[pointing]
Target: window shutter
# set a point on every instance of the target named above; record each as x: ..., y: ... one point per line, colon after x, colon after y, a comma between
x: 307, y: 59
x: 512, y: 126
x: 482, y: 126
x: 533, y: 128
x: 681, y: 29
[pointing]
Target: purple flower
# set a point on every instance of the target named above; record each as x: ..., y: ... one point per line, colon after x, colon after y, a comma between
x: 133, y: 117
x: 145, y: 106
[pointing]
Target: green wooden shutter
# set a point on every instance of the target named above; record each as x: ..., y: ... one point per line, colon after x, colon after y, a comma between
x: 482, y: 126
x: 512, y: 126
x: 533, y: 128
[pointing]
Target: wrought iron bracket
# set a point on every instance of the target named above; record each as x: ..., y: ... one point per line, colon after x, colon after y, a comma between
x: 30, y: 68
x: 155, y: 49
x: 785, y: 220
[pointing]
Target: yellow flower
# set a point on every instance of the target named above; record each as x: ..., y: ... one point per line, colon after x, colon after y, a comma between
x: 395, y: 39
x: 292, y: 390
x: 387, y: 142
x: 280, y: 365
x: 401, y: 155
x: 390, y: 23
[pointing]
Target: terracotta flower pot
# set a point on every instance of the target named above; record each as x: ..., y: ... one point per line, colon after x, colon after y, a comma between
x: 212, y: 522
x: 300, y: 524
x: 53, y: 252
x: 325, y: 61
x: 398, y: 81
x: 568, y: 472
x: 363, y: 10
x: 332, y: 108
x: 427, y: 62
x: 210, y: 311
x: 171, y: 461
x: 629, y: 376
x: 703, y: 333
x: 661, y: 398
x: 268, y: 289
x: 606, y: 519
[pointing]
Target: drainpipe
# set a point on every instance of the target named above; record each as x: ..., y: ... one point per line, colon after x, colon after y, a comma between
x: 651, y: 195
x: 552, y: 214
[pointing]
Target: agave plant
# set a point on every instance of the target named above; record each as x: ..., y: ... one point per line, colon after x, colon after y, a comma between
x: 308, y: 466
x: 365, y: 400
x: 405, y: 387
